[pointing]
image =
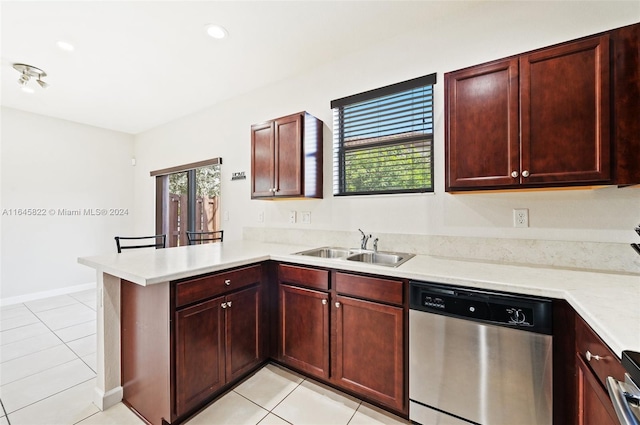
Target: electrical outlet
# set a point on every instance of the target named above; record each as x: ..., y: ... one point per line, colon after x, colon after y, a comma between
x: 306, y: 217
x: 521, y: 217
x: 292, y: 216
x: 261, y: 217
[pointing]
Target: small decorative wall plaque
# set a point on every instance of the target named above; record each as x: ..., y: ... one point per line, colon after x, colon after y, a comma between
x: 238, y: 176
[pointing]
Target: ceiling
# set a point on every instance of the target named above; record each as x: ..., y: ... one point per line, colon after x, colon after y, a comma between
x: 140, y: 64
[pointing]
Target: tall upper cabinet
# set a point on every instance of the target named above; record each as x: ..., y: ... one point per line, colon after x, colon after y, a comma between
x: 286, y: 158
x: 565, y: 115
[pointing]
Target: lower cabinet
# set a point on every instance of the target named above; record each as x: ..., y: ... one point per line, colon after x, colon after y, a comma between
x: 594, y: 406
x: 200, y: 356
x: 304, y: 330
x: 369, y: 350
x: 346, y: 329
x: 184, y: 342
x: 594, y: 362
x: 217, y: 341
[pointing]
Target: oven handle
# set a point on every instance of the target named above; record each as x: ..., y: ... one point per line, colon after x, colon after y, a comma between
x: 618, y: 395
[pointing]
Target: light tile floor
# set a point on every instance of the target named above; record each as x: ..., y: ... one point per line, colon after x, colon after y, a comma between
x: 47, y: 377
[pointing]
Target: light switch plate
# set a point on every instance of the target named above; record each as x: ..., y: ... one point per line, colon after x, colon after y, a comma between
x: 306, y: 217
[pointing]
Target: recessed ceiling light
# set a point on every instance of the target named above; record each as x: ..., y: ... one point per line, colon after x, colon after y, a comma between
x: 216, y: 31
x: 65, y: 45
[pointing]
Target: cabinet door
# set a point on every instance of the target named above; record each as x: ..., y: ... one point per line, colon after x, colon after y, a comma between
x: 262, y: 160
x: 303, y: 340
x: 288, y: 151
x: 594, y: 405
x: 199, y: 353
x: 481, y: 120
x: 565, y: 113
x: 370, y: 350
x: 243, y: 343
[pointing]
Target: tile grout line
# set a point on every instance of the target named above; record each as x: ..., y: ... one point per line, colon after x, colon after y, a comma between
x: 47, y: 397
x: 5, y: 412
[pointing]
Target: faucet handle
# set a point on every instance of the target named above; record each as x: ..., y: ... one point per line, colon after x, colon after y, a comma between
x: 375, y: 245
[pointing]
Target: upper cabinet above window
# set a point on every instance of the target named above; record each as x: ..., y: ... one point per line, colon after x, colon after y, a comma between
x: 560, y: 116
x: 286, y: 158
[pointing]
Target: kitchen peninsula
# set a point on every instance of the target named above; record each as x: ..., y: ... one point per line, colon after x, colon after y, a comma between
x: 607, y: 302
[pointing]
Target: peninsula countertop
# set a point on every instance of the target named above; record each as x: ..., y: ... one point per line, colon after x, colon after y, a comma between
x: 608, y: 302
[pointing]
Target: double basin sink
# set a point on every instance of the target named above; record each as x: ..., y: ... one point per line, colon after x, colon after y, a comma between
x: 380, y: 258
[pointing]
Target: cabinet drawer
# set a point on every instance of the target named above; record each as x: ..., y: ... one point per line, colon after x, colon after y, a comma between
x: 311, y: 278
x: 371, y: 288
x: 588, y: 341
x: 205, y: 287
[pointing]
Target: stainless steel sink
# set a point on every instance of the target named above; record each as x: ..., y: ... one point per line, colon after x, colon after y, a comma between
x: 327, y: 252
x: 390, y: 259
x: 382, y: 258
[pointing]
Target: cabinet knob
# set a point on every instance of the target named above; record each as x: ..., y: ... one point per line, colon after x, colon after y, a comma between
x: 228, y: 303
x: 227, y: 282
x: 337, y: 305
x: 590, y: 356
x: 514, y: 174
x: 223, y: 305
x: 525, y: 173
x: 324, y: 302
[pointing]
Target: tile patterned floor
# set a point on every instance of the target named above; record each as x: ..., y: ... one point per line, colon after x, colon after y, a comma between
x: 47, y: 377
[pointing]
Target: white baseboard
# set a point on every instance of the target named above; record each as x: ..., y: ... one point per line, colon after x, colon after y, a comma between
x: 105, y: 400
x: 46, y: 294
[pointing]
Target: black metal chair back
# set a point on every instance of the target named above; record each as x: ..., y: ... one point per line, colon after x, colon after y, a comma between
x: 200, y: 237
x: 155, y: 241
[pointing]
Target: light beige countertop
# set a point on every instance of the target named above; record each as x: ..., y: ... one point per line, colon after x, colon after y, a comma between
x: 609, y: 303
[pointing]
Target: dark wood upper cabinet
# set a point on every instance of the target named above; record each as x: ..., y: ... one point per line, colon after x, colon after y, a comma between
x: 564, y: 114
x: 560, y: 116
x: 482, y: 125
x: 286, y: 158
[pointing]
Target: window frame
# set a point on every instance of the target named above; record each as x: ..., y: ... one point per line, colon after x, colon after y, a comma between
x: 339, y: 150
x: 162, y: 188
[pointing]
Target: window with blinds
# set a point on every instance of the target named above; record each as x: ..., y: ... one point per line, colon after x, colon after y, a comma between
x: 383, y: 139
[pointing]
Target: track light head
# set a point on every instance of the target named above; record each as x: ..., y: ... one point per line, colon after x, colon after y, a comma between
x: 28, y: 71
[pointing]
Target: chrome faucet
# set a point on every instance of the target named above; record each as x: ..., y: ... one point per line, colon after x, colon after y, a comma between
x: 363, y: 240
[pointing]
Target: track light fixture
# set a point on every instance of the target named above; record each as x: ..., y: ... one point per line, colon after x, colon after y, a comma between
x: 28, y: 71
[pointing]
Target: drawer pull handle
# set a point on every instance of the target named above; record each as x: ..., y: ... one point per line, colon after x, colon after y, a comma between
x: 227, y: 282
x: 324, y: 302
x: 590, y: 356
x: 337, y: 305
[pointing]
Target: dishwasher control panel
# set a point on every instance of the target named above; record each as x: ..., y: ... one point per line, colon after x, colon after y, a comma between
x: 498, y: 308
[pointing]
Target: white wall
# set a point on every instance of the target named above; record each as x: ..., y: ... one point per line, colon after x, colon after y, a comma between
x: 483, y: 32
x: 51, y: 164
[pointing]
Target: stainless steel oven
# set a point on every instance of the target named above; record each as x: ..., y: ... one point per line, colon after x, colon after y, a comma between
x: 625, y: 396
x: 478, y: 357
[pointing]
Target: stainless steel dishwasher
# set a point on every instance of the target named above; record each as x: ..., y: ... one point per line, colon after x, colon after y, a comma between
x: 478, y: 357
